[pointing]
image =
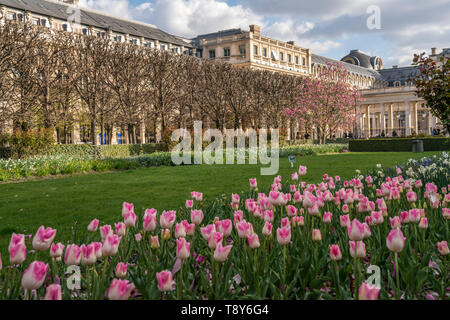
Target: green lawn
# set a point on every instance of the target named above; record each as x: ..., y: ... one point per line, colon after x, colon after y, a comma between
x: 61, y: 202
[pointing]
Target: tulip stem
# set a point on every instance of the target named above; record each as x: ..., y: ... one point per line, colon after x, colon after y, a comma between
x: 397, y: 278
x: 180, y: 283
x: 336, y: 275
x: 355, y: 271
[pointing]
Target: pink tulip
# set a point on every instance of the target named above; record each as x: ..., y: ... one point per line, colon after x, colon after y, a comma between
x: 414, y: 216
x: 111, y: 245
x: 395, y: 222
x: 149, y: 220
x: 356, y: 230
x: 225, y: 227
x: 105, y: 231
x: 404, y: 216
x: 443, y: 248
x: 316, y: 235
x: 189, y: 227
x: 335, y: 253
x: 214, y: 239
x: 183, y: 249
x: 130, y: 219
x: 268, y: 215
x: 43, y: 238
x: 197, y: 216
x: 302, y: 170
x: 221, y: 253
x: 98, y: 249
x: 294, y: 176
x: 360, y: 249
x: 93, y: 225
x: 34, y: 275
x: 367, y: 232
x: 298, y: 221
x: 121, y: 270
x: 291, y: 211
x: 189, y: 204
x: 327, y: 217
x: 253, y: 241
x: 367, y: 292
x: 16, y: 239
x: 345, y: 221
x: 206, y: 231
x: 235, y: 198
x: 167, y: 219
x: 165, y: 234
x: 53, y: 292
x: 395, y: 240
x: 17, y: 253
x: 423, y: 223
x: 377, y: 217
x: 120, y: 290
x: 267, y: 229
x: 88, y: 254
x: 283, y: 235
x: 154, y: 242
x: 244, y: 229
x: 446, y: 213
x: 253, y: 184
x: 411, y: 196
x: 127, y: 207
x: 73, y: 255
x: 180, y: 231
x: 138, y: 237
x: 121, y: 229
x: 165, y: 280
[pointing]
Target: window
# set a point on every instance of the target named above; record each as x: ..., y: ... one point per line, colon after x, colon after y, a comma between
x: 175, y: 50
x: 296, y: 60
x: 44, y: 23
x: 118, y: 38
x: 134, y: 41
x: 148, y: 44
x: 281, y: 56
x: 242, y: 50
x: 163, y: 47
x: 289, y: 58
x: 35, y: 21
x: 274, y: 55
x: 255, y: 50
x: 226, y: 52
x: 397, y: 84
x: 265, y: 52
x: 304, y: 61
x: 212, y: 54
x: 11, y: 16
x: 85, y: 31
x: 65, y: 27
x: 101, y: 35
x: 20, y: 16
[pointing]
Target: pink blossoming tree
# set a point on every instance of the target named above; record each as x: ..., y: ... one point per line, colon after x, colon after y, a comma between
x: 328, y: 102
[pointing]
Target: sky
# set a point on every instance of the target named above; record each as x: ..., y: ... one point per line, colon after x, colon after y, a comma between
x: 391, y: 29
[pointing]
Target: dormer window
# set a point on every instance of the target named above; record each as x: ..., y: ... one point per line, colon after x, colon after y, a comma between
x: 85, y: 31
x: 397, y: 84
x: 11, y: 16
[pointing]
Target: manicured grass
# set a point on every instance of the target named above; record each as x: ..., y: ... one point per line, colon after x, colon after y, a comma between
x: 60, y: 203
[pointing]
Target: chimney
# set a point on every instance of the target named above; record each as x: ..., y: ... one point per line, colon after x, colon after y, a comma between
x: 291, y: 42
x: 395, y: 67
x: 255, y: 29
x: 434, y: 51
x: 74, y: 2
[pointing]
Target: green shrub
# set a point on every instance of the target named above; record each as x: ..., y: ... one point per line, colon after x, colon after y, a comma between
x: 24, y: 144
x: 398, y: 145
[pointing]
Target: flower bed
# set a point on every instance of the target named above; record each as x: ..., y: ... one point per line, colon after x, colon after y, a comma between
x: 290, y: 241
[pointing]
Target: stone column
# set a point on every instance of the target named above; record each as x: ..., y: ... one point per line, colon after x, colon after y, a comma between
x: 383, y: 118
x: 391, y: 118
x: 367, y: 127
x: 415, y: 119
x: 408, y: 117
x: 76, y: 139
x: 114, y: 135
x: 142, y: 133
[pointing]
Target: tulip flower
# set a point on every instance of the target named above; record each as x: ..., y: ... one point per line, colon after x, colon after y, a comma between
x: 73, y: 255
x: 316, y: 235
x: 34, y: 275
x: 197, y: 216
x: 367, y: 232
x: 189, y: 204
x: 180, y: 230
x: 43, y: 238
x: 214, y: 239
x: 130, y: 219
x: 285, y: 223
x: 88, y: 254
x: 335, y: 253
x: 294, y: 176
x: 127, y: 207
x: 395, y: 240
x: 225, y: 227
x: 221, y: 253
x: 120, y: 290
x: 302, y: 171
x: 206, y: 231
x: 291, y: 211
x: 443, y: 248
x: 183, y: 249
x: 165, y: 280
x: 253, y: 184
x: 244, y: 229
x: 189, y: 227
x: 138, y: 237
x: 121, y: 229
x: 149, y: 220
x: 360, y: 249
x: 121, y: 270
x: 154, y: 242
x: 367, y: 292
x: 53, y: 292
x: 327, y: 217
x: 253, y: 241
x: 377, y: 217
x: 395, y: 222
x: 93, y: 225
x: 167, y: 219
x: 446, y: 213
x: 105, y: 231
x: 423, y: 223
x: 356, y: 230
x: 283, y: 235
x: 345, y: 221
x: 414, y: 216
x: 165, y: 234
x: 16, y: 239
x: 17, y: 253
x: 98, y: 249
x: 111, y: 245
x: 56, y: 251
x: 267, y: 229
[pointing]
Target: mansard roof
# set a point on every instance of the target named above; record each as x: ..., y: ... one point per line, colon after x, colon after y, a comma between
x: 402, y: 75
x: 96, y: 19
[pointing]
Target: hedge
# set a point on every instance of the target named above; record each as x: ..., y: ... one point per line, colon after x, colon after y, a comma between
x: 398, y: 145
